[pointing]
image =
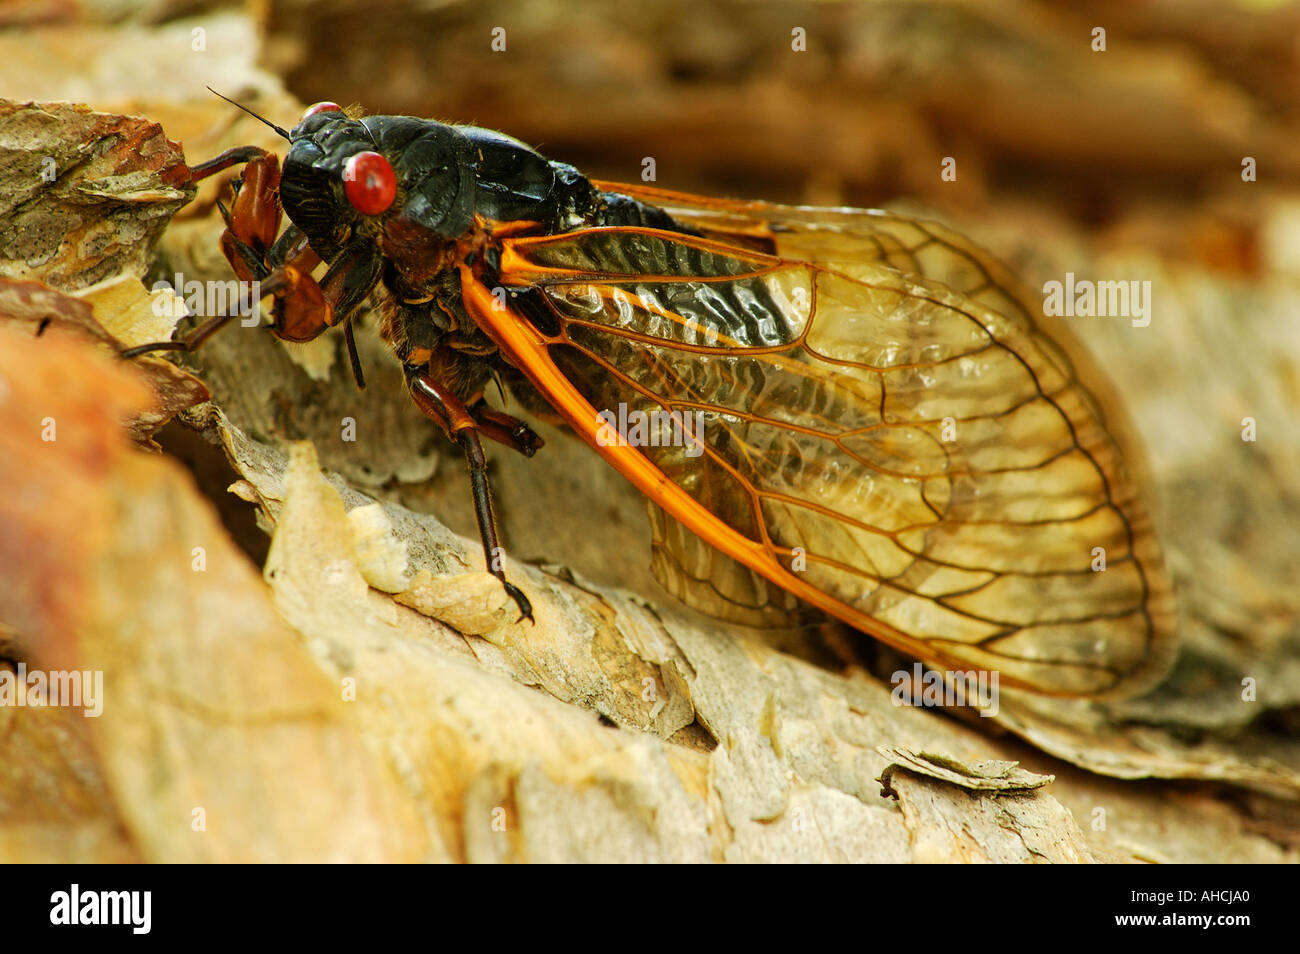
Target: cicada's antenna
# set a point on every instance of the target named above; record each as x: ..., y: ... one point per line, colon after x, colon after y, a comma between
x: 262, y: 119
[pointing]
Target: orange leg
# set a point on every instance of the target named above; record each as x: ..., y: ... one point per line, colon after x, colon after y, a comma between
x: 282, y: 267
x: 445, y: 364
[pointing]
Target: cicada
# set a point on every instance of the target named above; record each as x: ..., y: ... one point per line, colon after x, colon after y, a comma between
x: 854, y: 411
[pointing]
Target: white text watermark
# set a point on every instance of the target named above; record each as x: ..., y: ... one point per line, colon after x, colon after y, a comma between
x: 75, y: 906
x: 1084, y: 298
x: 211, y: 298
x: 58, y: 687
x: 977, y: 688
x: 626, y: 428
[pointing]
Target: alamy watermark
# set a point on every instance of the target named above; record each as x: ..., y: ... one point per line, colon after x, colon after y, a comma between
x: 211, y: 298
x: 624, y: 428
x: 132, y: 909
x: 58, y: 687
x: 977, y: 688
x: 1084, y: 298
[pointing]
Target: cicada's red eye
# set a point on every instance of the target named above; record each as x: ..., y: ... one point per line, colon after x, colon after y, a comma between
x: 325, y: 107
x: 369, y: 182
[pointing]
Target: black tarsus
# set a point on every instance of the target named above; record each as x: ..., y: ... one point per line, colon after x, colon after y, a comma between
x: 487, y: 530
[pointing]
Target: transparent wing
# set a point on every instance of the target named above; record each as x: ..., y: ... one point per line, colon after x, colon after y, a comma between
x: 915, y: 456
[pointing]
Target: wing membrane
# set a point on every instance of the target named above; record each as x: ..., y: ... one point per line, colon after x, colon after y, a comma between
x: 708, y: 580
x: 869, y: 416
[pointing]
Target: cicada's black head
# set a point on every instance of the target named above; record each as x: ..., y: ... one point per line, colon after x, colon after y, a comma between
x: 343, y: 175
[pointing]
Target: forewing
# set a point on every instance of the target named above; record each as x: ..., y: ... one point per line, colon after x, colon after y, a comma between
x: 919, y: 459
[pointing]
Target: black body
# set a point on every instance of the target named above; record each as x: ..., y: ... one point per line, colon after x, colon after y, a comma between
x: 447, y: 178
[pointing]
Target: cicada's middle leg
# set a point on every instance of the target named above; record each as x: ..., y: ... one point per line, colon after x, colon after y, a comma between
x: 462, y: 425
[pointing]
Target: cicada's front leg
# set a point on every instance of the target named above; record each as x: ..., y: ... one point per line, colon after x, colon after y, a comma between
x: 249, y: 237
x: 280, y: 266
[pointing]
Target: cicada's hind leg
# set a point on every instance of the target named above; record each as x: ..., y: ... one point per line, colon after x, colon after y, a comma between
x: 447, y: 411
